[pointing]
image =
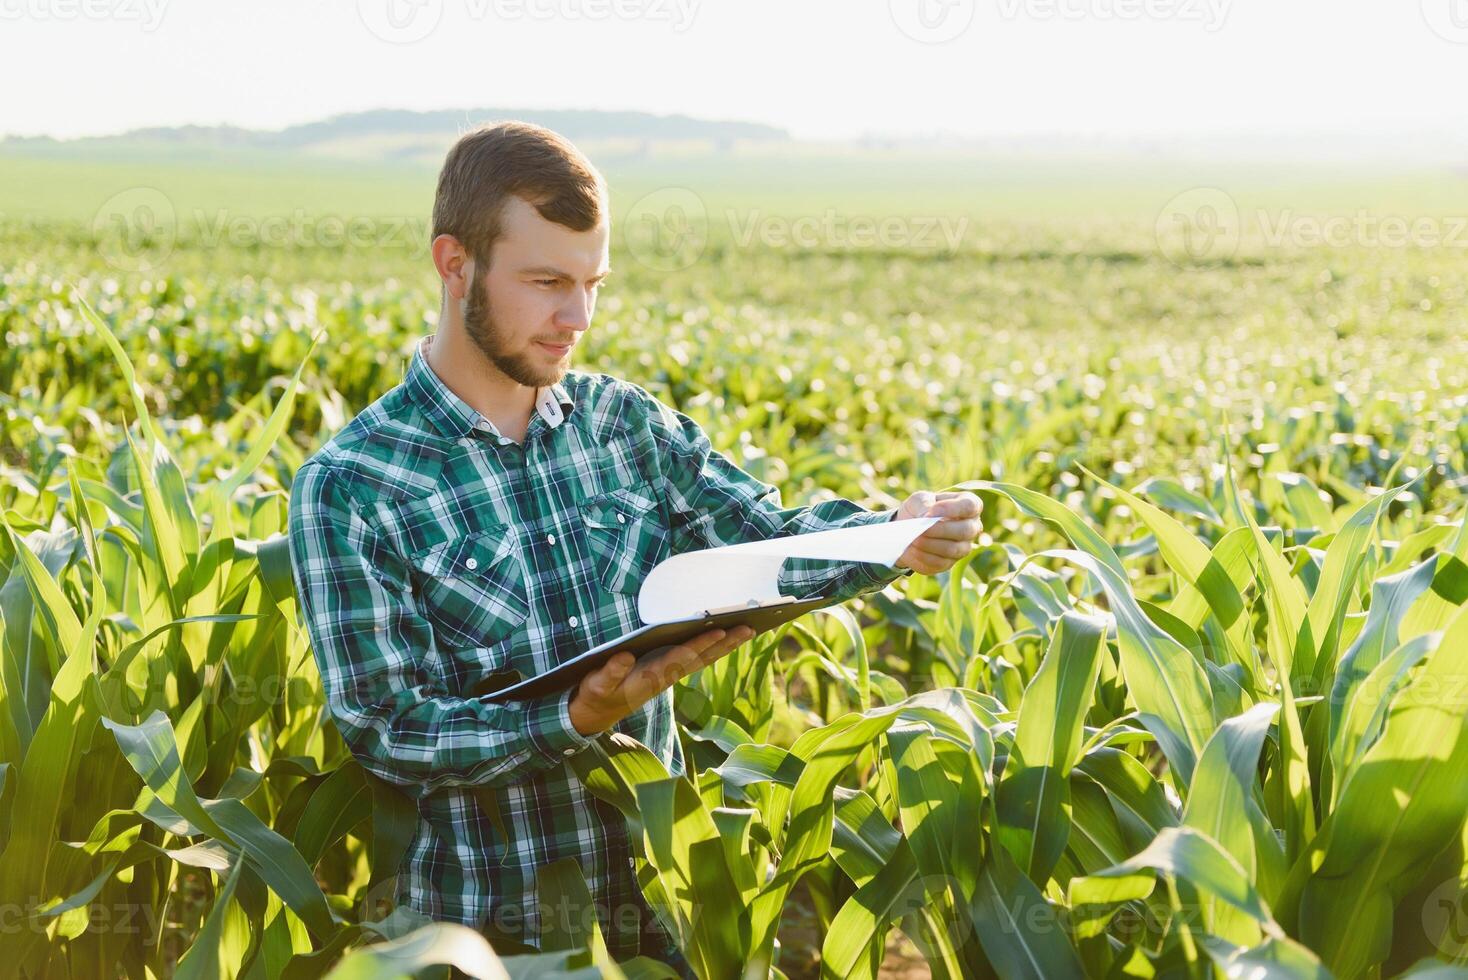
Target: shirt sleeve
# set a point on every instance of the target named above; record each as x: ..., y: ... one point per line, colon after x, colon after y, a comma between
x: 712, y: 502
x: 371, y: 643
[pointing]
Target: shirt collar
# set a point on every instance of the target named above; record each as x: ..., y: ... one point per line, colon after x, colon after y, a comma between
x: 453, y: 416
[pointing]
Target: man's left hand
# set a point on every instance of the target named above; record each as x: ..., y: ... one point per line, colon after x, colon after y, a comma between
x: 941, y: 546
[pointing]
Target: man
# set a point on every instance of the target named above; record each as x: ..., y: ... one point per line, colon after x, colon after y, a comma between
x: 494, y: 515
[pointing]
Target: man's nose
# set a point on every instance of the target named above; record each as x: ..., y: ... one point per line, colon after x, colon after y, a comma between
x: 575, y: 313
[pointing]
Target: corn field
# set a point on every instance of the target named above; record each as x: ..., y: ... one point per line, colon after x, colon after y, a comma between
x: 1196, y: 706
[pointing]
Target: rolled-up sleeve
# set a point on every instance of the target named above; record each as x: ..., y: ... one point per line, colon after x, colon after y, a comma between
x: 713, y: 502
x: 372, y: 645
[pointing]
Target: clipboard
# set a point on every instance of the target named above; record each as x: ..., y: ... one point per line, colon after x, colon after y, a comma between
x: 648, y: 641
x: 716, y: 588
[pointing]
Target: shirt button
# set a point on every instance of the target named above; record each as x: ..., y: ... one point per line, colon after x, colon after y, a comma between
x: 550, y: 539
x: 568, y: 752
x: 573, y: 621
x: 472, y: 564
x: 621, y: 518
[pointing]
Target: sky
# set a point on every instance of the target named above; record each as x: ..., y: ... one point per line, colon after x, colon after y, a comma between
x: 823, y: 69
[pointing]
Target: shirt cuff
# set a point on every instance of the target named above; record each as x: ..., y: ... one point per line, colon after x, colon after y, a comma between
x: 550, y: 729
x: 865, y: 576
x: 868, y: 575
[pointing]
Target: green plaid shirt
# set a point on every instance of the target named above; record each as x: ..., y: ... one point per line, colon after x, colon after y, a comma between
x: 434, y: 557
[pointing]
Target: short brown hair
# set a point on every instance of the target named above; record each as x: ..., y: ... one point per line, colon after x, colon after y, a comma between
x: 490, y: 163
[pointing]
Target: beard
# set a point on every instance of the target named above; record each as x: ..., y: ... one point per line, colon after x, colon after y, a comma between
x: 493, y: 343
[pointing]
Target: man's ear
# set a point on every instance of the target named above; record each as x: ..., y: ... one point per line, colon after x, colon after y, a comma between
x: 455, y: 267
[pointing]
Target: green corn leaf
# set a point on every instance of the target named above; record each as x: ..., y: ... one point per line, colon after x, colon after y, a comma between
x: 684, y: 846
x: 1021, y: 933
x: 569, y: 920
x: 1391, y: 598
x: 341, y: 802
x: 1275, y: 958
x: 1434, y: 608
x: 1344, y: 560
x: 279, y: 864
x: 1166, y: 682
x: 440, y: 943
x: 856, y: 942
x: 1223, y: 789
x: 201, y: 962
x: 151, y: 748
x: 1365, y: 713
x: 1173, y: 495
x: 221, y: 494
x: 1401, y: 805
x: 1291, y: 648
x: 1033, y: 797
x: 1187, y: 854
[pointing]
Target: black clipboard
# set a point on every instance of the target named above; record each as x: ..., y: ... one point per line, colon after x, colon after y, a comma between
x: 648, y: 640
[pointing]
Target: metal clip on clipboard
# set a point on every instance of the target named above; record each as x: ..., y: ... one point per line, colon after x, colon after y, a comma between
x: 750, y: 604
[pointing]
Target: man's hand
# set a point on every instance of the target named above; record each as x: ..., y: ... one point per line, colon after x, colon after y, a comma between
x: 941, y: 546
x: 622, y: 685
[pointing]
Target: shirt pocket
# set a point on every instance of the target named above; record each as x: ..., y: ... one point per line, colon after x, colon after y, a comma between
x: 472, y: 588
x: 626, y: 536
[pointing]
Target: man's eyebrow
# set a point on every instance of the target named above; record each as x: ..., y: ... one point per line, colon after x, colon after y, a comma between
x: 552, y: 273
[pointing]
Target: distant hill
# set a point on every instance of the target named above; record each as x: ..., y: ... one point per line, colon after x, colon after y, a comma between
x: 407, y: 136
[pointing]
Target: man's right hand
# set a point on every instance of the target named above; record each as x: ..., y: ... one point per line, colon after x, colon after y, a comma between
x: 622, y: 685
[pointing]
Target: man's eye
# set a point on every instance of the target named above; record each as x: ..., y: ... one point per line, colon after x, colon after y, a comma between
x: 545, y: 282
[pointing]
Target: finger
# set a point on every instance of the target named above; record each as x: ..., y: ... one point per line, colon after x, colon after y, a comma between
x: 716, y: 651
x: 675, y: 657
x: 703, y: 641
x: 737, y: 637
x: 944, y: 549
x: 932, y: 566
x: 956, y: 507
x: 940, y: 549
x: 931, y: 563
x: 678, y: 661
x: 606, y: 679
x: 919, y: 502
x: 955, y: 530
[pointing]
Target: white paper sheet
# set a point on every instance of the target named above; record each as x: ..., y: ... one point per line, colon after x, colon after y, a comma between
x: 687, y: 584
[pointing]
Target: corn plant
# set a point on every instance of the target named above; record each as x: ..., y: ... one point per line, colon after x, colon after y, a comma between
x: 1198, y: 724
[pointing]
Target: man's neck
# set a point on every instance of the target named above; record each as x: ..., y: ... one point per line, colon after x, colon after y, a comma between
x: 466, y: 372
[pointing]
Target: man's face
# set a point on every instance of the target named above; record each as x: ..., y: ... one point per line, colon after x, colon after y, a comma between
x: 527, y: 312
